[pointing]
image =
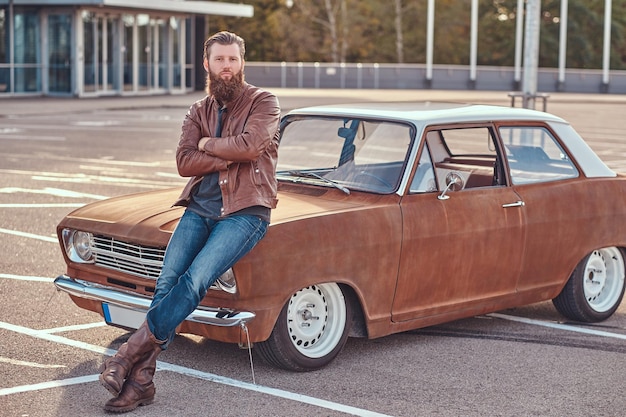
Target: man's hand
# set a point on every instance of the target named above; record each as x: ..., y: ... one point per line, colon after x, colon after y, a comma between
x: 202, y: 142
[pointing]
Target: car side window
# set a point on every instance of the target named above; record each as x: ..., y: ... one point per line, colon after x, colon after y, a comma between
x: 424, y: 179
x: 469, y: 153
x: 535, y: 156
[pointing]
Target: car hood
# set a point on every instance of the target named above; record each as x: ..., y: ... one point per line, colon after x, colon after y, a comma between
x: 149, y: 218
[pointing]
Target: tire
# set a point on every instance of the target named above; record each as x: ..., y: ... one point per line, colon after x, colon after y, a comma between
x: 311, y: 329
x: 596, y: 287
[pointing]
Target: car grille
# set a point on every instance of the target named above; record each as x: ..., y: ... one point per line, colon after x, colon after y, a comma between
x: 138, y: 260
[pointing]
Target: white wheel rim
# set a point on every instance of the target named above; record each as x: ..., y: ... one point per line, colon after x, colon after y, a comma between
x: 603, y: 278
x: 316, y: 319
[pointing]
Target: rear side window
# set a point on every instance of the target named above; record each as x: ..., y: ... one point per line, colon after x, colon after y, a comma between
x: 535, y: 156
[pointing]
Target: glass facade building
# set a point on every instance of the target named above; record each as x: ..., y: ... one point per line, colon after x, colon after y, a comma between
x: 103, y: 47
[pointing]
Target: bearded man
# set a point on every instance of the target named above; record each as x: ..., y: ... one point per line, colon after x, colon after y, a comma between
x: 228, y: 147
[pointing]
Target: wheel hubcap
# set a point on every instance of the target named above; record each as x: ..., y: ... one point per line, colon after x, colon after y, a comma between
x: 596, y: 276
x: 316, y: 318
x: 307, y: 313
x: 604, y: 278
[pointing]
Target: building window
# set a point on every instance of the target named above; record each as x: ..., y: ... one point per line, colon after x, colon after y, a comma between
x: 163, y: 51
x: 91, y: 52
x: 176, y: 64
x: 144, y: 39
x: 5, y: 77
x: 128, y: 51
x: 190, y: 51
x: 27, y: 54
x: 60, y: 53
x: 101, y: 63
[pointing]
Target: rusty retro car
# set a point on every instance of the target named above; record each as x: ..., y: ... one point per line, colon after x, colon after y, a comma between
x: 391, y: 217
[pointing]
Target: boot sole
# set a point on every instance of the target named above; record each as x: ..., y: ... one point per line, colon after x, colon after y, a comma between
x: 128, y: 408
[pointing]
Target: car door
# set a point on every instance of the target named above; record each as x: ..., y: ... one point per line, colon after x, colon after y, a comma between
x: 461, y: 249
x: 557, y: 205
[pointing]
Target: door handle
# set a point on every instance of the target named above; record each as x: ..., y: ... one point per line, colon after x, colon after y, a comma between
x: 519, y: 203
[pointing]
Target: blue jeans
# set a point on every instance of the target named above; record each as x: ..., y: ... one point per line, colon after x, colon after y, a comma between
x: 198, y: 253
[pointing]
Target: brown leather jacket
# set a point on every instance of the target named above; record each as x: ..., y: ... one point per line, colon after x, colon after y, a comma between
x: 245, y: 155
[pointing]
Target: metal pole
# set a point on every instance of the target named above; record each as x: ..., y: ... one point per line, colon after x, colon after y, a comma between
x: 300, y: 66
x: 531, y: 53
x: 473, y: 42
x: 606, y: 54
x: 317, y: 74
x: 519, y: 36
x: 562, y: 45
x: 283, y: 74
x: 430, y: 34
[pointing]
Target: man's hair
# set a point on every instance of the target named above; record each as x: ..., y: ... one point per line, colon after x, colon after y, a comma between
x: 224, y: 38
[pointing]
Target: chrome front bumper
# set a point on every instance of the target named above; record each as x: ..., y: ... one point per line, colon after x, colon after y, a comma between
x: 90, y: 291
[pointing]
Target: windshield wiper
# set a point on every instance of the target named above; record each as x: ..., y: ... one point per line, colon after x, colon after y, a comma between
x: 319, y: 177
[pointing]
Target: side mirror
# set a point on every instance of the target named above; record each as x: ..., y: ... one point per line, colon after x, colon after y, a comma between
x: 454, y: 182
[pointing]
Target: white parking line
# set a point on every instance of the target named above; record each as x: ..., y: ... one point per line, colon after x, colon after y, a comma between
x: 75, y: 128
x: 271, y: 391
x: 48, y: 384
x: 57, y: 192
x: 173, y: 368
x: 32, y: 137
x: 26, y: 278
x: 107, y: 160
x: 29, y: 364
x: 82, y: 178
x: 29, y: 235
x: 75, y: 327
x: 559, y: 326
x: 59, y: 205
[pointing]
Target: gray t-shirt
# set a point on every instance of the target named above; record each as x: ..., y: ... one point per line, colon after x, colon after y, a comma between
x: 206, y: 198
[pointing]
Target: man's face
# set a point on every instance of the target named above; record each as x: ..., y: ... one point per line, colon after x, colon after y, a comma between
x: 224, y: 61
x: 225, y: 68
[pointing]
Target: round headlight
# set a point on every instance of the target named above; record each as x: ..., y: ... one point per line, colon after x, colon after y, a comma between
x: 227, y: 282
x: 82, y: 245
x: 78, y: 245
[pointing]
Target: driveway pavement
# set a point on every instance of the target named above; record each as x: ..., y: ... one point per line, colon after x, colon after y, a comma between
x: 61, y: 153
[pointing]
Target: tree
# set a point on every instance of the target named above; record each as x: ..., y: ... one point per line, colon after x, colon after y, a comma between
x: 395, y: 32
x: 496, y: 33
x: 324, y: 13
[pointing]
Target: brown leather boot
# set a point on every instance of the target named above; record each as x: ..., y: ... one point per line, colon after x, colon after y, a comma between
x: 114, y: 370
x: 138, y: 388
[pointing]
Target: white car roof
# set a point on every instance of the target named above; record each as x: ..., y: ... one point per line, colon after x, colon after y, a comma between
x: 429, y: 112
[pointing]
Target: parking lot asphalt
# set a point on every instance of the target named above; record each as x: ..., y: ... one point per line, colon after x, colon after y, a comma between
x: 289, y: 98
x: 61, y: 153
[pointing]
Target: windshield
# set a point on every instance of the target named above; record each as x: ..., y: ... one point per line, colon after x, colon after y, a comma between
x: 344, y: 153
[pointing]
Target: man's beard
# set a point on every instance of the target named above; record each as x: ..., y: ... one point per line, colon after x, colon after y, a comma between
x: 224, y: 91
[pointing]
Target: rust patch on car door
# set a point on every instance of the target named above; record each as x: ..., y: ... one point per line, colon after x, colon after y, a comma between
x: 458, y: 253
